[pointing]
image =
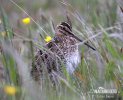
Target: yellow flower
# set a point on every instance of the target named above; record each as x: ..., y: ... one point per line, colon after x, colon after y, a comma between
x: 3, y: 33
x: 11, y: 90
x: 48, y: 39
x: 26, y: 21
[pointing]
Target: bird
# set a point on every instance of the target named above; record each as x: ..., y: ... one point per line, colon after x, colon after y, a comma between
x: 61, y: 51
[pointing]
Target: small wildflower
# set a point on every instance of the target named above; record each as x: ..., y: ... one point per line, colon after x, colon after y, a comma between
x: 3, y: 33
x: 26, y: 21
x: 48, y: 39
x: 11, y: 90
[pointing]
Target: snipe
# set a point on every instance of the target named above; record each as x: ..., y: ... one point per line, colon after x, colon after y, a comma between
x: 62, y: 50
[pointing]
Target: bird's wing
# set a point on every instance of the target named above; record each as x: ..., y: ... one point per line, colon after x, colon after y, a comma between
x: 44, y: 60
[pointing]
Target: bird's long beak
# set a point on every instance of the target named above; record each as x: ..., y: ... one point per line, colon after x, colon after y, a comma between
x: 71, y: 33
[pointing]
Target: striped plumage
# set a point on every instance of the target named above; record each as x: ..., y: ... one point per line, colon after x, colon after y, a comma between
x: 62, y: 50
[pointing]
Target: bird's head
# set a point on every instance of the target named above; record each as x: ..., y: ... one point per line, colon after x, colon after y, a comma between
x: 64, y: 28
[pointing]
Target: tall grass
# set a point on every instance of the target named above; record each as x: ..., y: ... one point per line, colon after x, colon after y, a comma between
x: 93, y: 20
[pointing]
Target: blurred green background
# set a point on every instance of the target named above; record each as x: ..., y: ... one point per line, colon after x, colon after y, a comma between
x: 100, y: 21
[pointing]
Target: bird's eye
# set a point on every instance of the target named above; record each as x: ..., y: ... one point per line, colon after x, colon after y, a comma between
x: 63, y: 28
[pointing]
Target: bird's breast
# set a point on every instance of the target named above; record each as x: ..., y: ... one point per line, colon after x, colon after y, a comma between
x: 72, y: 62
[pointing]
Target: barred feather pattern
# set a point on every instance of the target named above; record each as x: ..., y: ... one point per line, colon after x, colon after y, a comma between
x: 61, y: 51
